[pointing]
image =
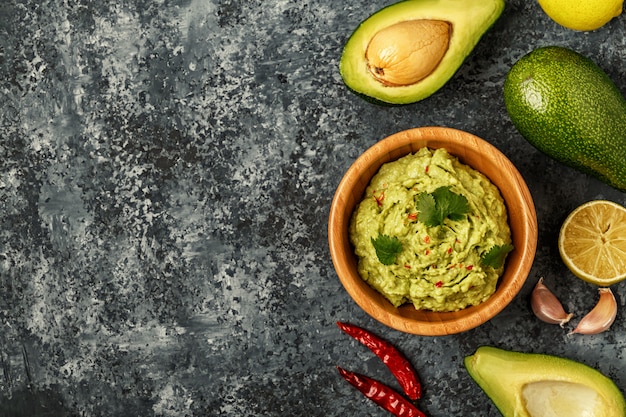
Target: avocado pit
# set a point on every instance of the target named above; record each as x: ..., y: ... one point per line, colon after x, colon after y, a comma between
x: 407, y: 52
x: 548, y: 398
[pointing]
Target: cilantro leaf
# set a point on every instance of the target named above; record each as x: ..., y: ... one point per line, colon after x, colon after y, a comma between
x: 496, y: 255
x: 387, y: 248
x: 427, y: 210
x: 441, y: 204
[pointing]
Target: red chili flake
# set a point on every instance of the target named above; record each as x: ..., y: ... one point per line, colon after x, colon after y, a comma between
x: 427, y: 252
x: 427, y: 239
x: 449, y: 250
x: 469, y: 267
x: 458, y: 241
x: 406, y: 266
x: 451, y: 266
x: 427, y: 168
x: 439, y: 284
x: 460, y: 265
x: 412, y: 216
x: 380, y: 198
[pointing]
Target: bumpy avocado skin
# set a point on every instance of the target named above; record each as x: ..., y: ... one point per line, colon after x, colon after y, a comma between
x: 470, y: 20
x: 567, y: 107
x: 503, y: 374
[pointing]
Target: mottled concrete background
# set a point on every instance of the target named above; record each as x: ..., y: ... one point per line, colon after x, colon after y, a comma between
x: 166, y: 170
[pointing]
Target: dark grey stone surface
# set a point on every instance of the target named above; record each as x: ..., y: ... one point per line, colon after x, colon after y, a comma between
x: 166, y: 171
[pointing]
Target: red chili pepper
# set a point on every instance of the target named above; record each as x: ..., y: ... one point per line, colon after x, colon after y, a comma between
x: 381, y: 394
x: 397, y: 363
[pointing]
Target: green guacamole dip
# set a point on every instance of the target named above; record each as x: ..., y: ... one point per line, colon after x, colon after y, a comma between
x: 438, y: 268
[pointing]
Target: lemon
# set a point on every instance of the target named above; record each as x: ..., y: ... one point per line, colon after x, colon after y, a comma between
x: 582, y: 15
x: 592, y: 242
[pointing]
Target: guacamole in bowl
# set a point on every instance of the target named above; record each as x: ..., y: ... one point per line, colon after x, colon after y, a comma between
x: 431, y: 231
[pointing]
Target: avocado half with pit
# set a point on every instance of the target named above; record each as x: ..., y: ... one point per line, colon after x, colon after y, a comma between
x: 538, y: 385
x: 409, y: 50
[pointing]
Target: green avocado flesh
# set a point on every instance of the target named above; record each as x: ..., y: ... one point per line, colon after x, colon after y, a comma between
x: 538, y: 385
x: 569, y: 109
x: 468, y: 21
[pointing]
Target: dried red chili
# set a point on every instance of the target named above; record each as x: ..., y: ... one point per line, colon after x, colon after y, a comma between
x: 381, y: 394
x: 397, y: 363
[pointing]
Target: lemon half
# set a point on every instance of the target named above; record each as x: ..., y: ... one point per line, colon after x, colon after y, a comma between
x: 583, y: 15
x: 592, y: 242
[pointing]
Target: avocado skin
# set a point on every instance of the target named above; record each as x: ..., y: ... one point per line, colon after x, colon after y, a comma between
x: 502, y: 374
x: 567, y: 107
x: 470, y: 20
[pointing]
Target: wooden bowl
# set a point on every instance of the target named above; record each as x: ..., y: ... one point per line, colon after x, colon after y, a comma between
x: 472, y: 151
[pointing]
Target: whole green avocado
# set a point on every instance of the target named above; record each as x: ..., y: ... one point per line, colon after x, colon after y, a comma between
x: 568, y: 108
x: 422, y: 42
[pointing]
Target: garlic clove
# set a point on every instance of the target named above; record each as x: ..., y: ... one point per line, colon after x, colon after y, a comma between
x: 547, y: 307
x: 601, y: 317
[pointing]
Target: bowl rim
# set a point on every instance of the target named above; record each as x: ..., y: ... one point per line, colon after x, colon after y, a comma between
x: 467, y: 148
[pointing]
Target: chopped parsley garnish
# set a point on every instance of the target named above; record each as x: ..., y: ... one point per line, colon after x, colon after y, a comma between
x: 496, y: 255
x: 387, y: 248
x: 434, y: 208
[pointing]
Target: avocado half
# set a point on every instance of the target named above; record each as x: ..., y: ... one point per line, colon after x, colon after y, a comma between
x: 539, y: 385
x: 468, y: 20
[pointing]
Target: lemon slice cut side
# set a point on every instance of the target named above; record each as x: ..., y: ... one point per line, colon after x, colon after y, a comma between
x: 592, y: 242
